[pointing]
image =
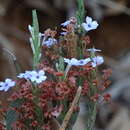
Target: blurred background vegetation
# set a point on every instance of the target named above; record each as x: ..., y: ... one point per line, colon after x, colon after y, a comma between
x: 112, y: 37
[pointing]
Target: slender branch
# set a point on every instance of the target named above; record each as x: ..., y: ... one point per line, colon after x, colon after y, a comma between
x: 15, y: 61
x: 80, y: 12
x: 10, y: 53
x: 69, y: 113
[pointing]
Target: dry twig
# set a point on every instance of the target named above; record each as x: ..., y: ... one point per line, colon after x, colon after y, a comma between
x: 69, y: 113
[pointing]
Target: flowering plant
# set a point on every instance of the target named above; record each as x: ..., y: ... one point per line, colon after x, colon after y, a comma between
x: 64, y: 69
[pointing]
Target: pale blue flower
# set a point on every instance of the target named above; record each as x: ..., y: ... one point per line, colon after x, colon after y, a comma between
x: 29, y: 74
x: 5, y: 86
x: 93, y: 50
x: 75, y: 62
x: 66, y: 23
x: 34, y: 76
x: 72, y: 61
x: 89, y: 25
x: 38, y: 77
x: 98, y: 60
x: 49, y: 42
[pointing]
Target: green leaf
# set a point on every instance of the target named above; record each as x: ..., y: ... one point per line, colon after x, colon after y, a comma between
x: 11, y: 115
x: 36, y: 40
x: 35, y: 22
x: 35, y: 27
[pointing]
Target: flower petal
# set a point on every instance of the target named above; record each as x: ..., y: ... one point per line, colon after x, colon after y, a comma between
x: 66, y: 23
x: 88, y: 20
x: 94, y: 24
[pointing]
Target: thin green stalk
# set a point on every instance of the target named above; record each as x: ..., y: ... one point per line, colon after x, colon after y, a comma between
x: 91, y: 115
x: 91, y: 105
x: 80, y: 14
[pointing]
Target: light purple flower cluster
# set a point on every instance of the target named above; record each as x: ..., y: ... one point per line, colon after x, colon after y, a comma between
x: 5, y: 86
x: 75, y: 62
x: 34, y: 76
x: 66, y: 23
x: 49, y: 42
x: 87, y: 26
x: 98, y: 60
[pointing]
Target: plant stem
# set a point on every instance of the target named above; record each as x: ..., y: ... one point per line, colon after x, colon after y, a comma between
x: 91, y: 105
x: 80, y: 14
x: 91, y: 115
x: 35, y: 39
